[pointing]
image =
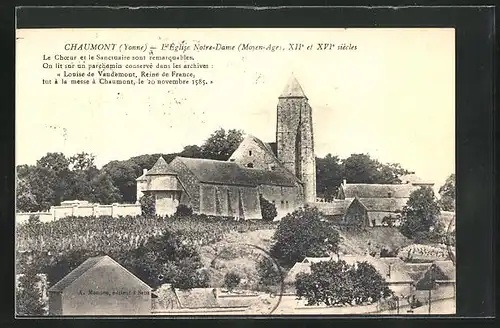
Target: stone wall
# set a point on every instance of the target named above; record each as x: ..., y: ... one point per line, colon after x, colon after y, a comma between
x: 58, y: 212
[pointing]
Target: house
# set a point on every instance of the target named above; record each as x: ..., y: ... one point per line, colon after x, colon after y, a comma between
x: 398, y: 280
x: 283, y: 172
x: 100, y: 286
x: 382, y: 202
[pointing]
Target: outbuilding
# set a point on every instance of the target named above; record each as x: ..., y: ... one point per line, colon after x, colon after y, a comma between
x: 100, y: 286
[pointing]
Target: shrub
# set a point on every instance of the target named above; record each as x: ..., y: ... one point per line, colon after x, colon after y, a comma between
x: 29, y: 295
x: 231, y: 280
x: 183, y: 210
x: 148, y: 205
x: 268, y: 209
x: 304, y: 232
x: 271, y: 275
x: 338, y: 283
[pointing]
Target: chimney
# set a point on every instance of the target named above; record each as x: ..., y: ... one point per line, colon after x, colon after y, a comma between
x: 344, y: 182
x: 144, y: 171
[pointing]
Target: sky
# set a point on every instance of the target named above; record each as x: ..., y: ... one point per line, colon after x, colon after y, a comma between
x: 393, y: 97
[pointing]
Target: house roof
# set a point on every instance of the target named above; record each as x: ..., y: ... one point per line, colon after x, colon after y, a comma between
x: 415, y: 271
x: 161, y: 168
x: 295, y: 270
x: 447, y: 268
x: 196, y: 298
x: 383, y: 204
x: 316, y: 259
x: 293, y: 89
x: 372, y: 190
x: 222, y: 172
x: 336, y: 207
x: 85, y: 267
x: 76, y: 273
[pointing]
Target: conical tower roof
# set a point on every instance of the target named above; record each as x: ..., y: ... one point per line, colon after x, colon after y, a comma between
x: 161, y: 168
x: 293, y: 89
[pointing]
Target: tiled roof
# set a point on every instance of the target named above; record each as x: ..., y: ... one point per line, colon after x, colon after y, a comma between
x: 384, y: 204
x: 336, y: 207
x: 415, y: 271
x: 196, y: 298
x: 76, y: 273
x: 293, y: 89
x: 212, y: 171
x: 372, y: 190
x: 447, y: 268
x: 161, y: 168
x: 316, y: 259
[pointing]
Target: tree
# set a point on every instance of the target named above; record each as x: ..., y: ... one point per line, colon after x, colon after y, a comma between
x: 29, y: 295
x: 25, y: 200
x: 337, y: 283
x: 192, y: 151
x: 447, y: 194
x: 419, y: 219
x: 104, y: 191
x: 304, y: 232
x: 82, y: 161
x: 123, y: 175
x: 269, y: 272
x: 267, y: 209
x: 231, y: 280
x: 54, y: 161
x: 329, y: 173
x: 361, y: 168
x: 221, y: 145
x: 166, y: 258
x: 148, y: 205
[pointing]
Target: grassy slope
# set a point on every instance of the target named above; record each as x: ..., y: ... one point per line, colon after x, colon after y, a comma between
x: 234, y: 253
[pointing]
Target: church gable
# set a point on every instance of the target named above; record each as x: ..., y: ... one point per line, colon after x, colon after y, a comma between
x: 253, y: 153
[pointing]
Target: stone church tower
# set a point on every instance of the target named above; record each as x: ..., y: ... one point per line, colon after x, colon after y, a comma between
x: 294, y: 136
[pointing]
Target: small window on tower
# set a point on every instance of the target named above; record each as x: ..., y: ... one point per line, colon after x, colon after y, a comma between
x: 249, y: 153
x: 250, y: 165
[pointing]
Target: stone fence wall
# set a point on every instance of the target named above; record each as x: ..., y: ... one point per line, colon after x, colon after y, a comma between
x: 58, y: 212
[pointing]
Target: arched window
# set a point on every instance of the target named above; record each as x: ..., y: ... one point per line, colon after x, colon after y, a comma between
x: 250, y: 165
x: 249, y: 153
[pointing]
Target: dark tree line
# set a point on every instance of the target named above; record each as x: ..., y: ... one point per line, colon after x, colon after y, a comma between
x: 56, y: 178
x: 357, y: 168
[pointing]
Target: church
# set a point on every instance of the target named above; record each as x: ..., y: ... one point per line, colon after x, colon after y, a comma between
x: 283, y: 173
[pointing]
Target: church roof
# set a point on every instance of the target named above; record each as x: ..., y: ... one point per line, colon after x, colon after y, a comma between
x: 372, y: 190
x: 222, y: 172
x: 293, y: 89
x: 161, y: 168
